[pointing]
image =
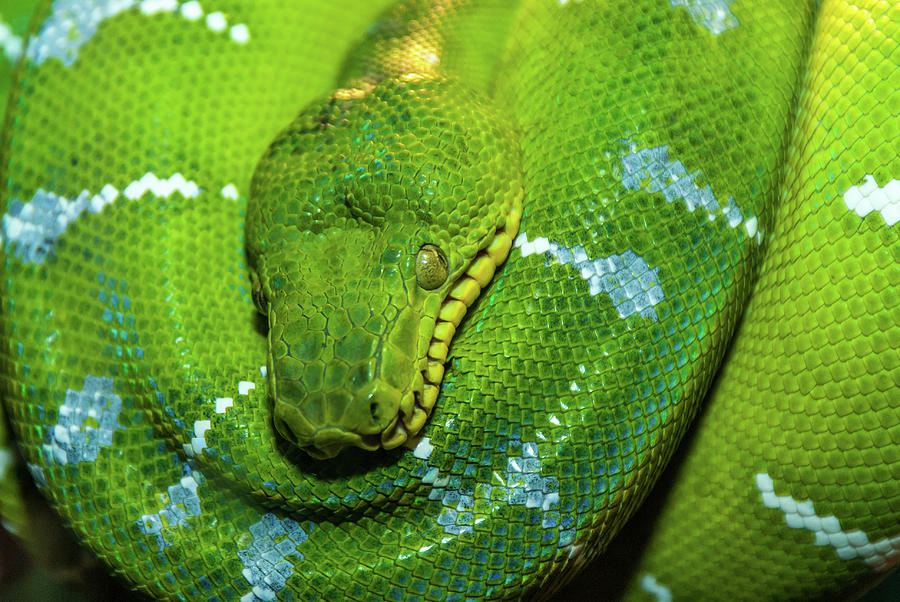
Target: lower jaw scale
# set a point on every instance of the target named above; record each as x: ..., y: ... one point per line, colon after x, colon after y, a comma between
x: 414, y: 414
x: 395, y: 435
x: 407, y: 430
x: 429, y: 397
x: 416, y: 421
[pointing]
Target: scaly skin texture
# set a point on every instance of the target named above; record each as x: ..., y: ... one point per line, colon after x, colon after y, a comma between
x: 341, y: 206
x: 677, y: 165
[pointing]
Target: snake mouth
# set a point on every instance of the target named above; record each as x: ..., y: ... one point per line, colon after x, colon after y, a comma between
x: 322, y: 442
x: 328, y: 441
x: 314, y: 427
x: 467, y: 288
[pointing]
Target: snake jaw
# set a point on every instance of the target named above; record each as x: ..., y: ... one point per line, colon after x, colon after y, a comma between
x: 461, y: 295
x: 410, y: 417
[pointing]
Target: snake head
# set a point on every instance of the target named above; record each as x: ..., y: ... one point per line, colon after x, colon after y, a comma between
x: 374, y: 221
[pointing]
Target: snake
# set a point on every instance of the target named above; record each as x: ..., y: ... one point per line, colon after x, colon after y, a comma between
x: 426, y: 300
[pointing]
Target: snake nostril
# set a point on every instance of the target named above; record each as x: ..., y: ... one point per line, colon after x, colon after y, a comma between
x: 383, y: 402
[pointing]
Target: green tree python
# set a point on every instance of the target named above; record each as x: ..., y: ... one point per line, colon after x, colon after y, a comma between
x: 342, y: 300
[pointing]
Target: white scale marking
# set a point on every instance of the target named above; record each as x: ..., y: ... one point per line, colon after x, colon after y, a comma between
x: 881, y: 555
x: 631, y: 284
x: 653, y: 170
x: 868, y: 197
x: 35, y: 226
x: 216, y: 22
x: 183, y: 502
x: 659, y: 592
x: 423, y: 449
x: 520, y: 484
x: 37, y: 474
x: 87, y: 420
x: 714, y: 15
x: 73, y: 23
x: 161, y: 188
x: 270, y: 557
x: 223, y: 403
x: 151, y: 7
x: 230, y: 192
x: 11, y: 43
x: 192, y: 11
x: 198, y: 441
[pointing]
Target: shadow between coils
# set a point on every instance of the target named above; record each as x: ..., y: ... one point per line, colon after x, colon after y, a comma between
x: 350, y: 462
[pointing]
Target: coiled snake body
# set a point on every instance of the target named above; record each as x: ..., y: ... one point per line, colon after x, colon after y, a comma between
x: 656, y: 171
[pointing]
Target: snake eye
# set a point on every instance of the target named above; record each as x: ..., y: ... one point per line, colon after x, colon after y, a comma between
x: 259, y: 297
x: 431, y: 267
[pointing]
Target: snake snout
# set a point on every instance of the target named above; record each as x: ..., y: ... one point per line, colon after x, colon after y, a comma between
x: 382, y: 402
x: 324, y: 424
